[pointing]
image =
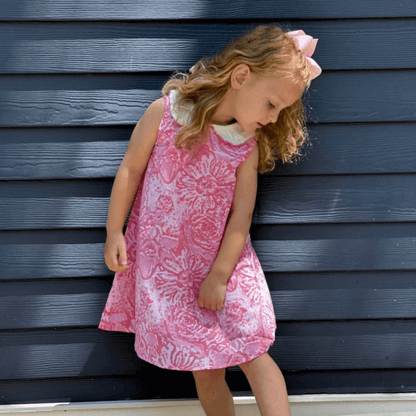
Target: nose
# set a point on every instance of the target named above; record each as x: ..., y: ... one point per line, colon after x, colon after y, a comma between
x: 274, y: 116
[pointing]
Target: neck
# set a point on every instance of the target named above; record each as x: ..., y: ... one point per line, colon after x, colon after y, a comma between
x: 225, y: 110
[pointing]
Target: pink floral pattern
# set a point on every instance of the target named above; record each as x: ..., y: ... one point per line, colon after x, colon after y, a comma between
x: 173, y: 236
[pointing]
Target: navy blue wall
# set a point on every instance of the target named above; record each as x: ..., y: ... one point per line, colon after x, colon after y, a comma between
x: 336, y: 233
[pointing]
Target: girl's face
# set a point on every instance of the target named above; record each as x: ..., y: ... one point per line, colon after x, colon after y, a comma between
x: 259, y: 100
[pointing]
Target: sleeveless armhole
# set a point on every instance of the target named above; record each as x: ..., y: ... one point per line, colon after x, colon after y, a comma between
x: 165, y: 125
x: 167, y: 104
x: 246, y: 150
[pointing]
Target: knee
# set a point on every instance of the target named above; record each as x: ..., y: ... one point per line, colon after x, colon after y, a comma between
x: 209, y: 377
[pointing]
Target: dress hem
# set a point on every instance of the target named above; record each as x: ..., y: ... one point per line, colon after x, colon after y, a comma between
x: 233, y: 363
x: 200, y: 368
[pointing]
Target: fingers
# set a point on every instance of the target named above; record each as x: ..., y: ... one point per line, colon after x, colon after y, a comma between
x: 210, y: 304
x: 116, y: 259
x: 122, y: 259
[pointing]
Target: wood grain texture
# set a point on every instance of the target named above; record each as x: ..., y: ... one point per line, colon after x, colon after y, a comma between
x: 52, y: 304
x: 200, y: 9
x: 345, y: 352
x: 335, y: 149
x: 364, y: 96
x: 339, y: 199
x: 344, y: 304
x: 20, y: 261
x: 335, y: 233
x: 61, y: 160
x: 110, y: 100
x: 348, y: 280
x: 140, y: 47
x: 356, y: 148
x: 56, y: 309
x: 81, y: 353
x: 353, y: 254
x: 41, y: 213
x: 71, y: 353
x: 50, y: 260
x: 287, y: 200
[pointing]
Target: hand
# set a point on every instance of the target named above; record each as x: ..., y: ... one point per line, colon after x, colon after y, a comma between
x: 212, y: 293
x: 115, y: 253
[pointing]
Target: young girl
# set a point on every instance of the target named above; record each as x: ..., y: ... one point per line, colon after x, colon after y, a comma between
x: 188, y: 282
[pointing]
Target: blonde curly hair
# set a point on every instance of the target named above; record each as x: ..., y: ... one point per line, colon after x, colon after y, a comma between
x: 268, y: 51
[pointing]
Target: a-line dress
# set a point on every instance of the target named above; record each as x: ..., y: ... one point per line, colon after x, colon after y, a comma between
x: 173, y: 236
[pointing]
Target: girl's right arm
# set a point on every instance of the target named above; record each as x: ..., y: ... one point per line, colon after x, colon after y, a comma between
x: 126, y: 182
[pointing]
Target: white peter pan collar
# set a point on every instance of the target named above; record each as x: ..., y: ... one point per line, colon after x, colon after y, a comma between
x: 232, y: 133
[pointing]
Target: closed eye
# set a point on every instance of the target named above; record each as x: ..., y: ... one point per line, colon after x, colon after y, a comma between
x: 271, y: 105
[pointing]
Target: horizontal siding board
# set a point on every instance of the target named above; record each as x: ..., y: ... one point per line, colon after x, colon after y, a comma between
x: 349, y: 280
x: 41, y: 213
x: 356, y: 149
x: 338, y: 251
x: 141, y: 47
x: 353, y: 199
x: 68, y: 236
x: 357, y: 96
x: 80, y: 302
x: 83, y: 188
x: 345, y: 352
x: 74, y: 108
x: 345, y: 328
x: 289, y: 200
x: 337, y: 255
x: 339, y: 382
x: 312, y: 232
x: 51, y: 311
x: 336, y: 149
x: 85, y: 389
x: 54, y: 135
x: 178, y: 384
x: 200, y: 9
x: 338, y: 304
x: 23, y: 261
x: 336, y: 97
x: 52, y: 304
x: 71, y: 353
x: 81, y: 353
x: 20, y: 261
x: 61, y: 160
x: 61, y: 310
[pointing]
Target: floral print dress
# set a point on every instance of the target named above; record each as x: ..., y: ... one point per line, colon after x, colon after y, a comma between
x: 173, y: 236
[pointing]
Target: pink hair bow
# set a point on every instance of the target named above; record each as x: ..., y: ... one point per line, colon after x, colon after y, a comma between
x: 307, y: 44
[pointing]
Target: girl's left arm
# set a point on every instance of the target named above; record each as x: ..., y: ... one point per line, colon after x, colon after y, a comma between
x: 212, y: 292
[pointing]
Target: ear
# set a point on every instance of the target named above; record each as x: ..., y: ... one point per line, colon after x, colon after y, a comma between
x: 239, y: 75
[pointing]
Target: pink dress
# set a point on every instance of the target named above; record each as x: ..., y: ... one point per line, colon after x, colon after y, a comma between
x: 173, y: 236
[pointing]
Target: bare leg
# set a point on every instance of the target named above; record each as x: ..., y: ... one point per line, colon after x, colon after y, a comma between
x: 268, y: 385
x: 213, y: 392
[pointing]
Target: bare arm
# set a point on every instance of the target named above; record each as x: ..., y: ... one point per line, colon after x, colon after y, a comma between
x: 126, y: 182
x: 212, y: 291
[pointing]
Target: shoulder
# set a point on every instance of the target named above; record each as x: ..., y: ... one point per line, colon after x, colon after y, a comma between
x: 247, y: 170
x: 145, y: 132
x: 246, y: 183
x: 155, y: 111
x: 252, y: 159
x: 151, y: 119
